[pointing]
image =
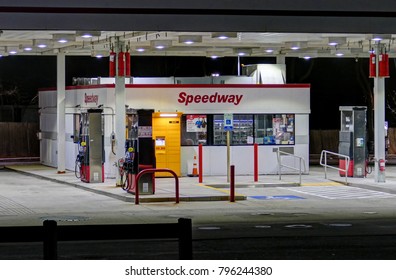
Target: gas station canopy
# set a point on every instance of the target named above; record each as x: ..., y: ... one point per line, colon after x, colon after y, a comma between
x: 200, y: 28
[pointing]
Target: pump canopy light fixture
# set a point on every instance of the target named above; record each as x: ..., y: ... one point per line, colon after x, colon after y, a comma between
x: 243, y: 52
x: 296, y: 45
x: 224, y: 35
x: 99, y: 54
x: 88, y: 34
x: 42, y: 43
x: 64, y: 38
x: 378, y: 37
x: 190, y: 39
x: 214, y: 54
x: 335, y: 41
x: 161, y: 44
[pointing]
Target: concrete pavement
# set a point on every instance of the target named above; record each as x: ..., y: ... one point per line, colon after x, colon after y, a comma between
x: 29, y: 200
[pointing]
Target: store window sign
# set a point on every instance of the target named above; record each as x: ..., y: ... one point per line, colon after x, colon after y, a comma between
x: 228, y: 123
x: 91, y: 98
x: 196, y: 123
x: 186, y: 99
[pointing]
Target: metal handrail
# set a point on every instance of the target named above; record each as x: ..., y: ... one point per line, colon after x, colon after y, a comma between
x: 324, y: 153
x: 280, y: 165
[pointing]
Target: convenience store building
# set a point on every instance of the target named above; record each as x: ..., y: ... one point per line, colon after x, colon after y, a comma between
x: 272, y: 116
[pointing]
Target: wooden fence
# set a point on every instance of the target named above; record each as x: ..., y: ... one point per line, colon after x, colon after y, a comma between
x: 18, y: 140
x: 328, y: 140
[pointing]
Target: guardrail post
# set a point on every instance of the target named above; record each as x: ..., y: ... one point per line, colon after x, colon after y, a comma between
x: 50, y: 242
x: 185, y: 239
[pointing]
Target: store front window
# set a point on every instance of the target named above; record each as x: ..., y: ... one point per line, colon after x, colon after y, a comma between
x: 274, y: 129
x: 242, y: 133
x: 263, y: 129
x: 194, y: 130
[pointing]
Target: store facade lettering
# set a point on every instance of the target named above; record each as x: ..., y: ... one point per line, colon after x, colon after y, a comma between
x: 186, y: 99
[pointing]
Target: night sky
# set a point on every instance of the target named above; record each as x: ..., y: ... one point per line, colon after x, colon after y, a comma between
x: 334, y: 81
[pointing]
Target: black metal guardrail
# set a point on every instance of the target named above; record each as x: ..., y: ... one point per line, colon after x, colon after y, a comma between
x: 50, y: 233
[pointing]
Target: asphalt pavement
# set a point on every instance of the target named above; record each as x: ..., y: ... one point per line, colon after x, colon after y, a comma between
x: 321, y: 218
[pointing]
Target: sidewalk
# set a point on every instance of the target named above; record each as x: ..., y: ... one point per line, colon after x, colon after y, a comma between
x: 213, y: 188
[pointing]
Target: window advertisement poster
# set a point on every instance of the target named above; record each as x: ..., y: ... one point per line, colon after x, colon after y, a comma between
x: 196, y: 123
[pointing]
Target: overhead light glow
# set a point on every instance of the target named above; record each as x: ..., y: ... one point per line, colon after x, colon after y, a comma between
x: 224, y: 35
x: 12, y: 52
x: 334, y: 41
x: 28, y: 49
x: 140, y: 49
x: 269, y: 51
x: 41, y: 46
x: 62, y: 41
x: 88, y: 34
x: 161, y: 44
x: 168, y: 115
x: 243, y: 52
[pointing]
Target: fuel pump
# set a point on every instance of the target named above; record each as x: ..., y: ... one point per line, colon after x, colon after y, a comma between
x: 89, y: 165
x: 139, y: 152
x: 131, y: 161
x: 353, y: 141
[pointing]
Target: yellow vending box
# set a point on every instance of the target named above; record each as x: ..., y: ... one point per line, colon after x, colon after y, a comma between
x: 166, y: 135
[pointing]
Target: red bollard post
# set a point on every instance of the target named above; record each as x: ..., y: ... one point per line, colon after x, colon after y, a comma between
x: 200, y: 163
x: 255, y: 162
x: 232, y: 183
x: 136, y: 191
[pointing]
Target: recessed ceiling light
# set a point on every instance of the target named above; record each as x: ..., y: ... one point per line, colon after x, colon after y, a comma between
x: 88, y: 34
x: 161, y: 44
x: 224, y: 35
x: 190, y: 39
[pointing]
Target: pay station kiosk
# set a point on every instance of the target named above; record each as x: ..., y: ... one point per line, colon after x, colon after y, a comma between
x: 353, y: 140
x: 166, y: 135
